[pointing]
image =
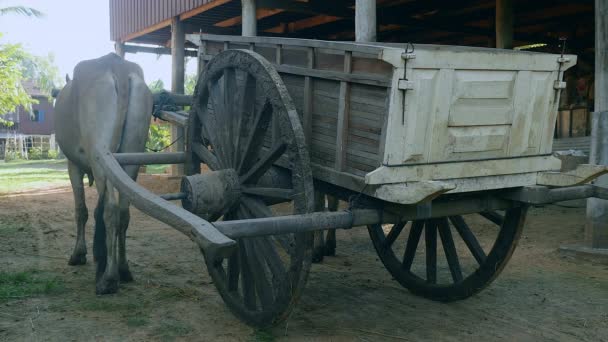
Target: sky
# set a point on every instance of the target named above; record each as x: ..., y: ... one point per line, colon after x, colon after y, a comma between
x: 75, y: 30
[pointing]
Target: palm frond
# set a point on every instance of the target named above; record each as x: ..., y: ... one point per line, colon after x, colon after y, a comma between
x: 21, y: 10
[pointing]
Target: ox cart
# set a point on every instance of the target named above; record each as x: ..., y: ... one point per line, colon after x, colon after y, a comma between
x: 439, y: 140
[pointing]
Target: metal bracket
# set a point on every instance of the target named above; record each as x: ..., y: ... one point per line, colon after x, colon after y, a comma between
x: 559, y: 85
x: 408, y: 55
x: 405, y: 85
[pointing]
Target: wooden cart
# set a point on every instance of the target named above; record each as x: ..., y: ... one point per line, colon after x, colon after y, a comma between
x: 411, y: 137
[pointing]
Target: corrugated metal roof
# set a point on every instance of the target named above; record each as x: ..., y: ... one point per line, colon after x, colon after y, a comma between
x: 128, y: 17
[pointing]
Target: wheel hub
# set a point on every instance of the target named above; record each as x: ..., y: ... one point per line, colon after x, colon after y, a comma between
x: 211, y: 194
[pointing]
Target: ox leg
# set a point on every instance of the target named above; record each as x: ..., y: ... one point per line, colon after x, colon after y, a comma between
x: 319, y: 241
x: 330, y: 241
x: 79, y: 255
x: 123, y: 266
x: 125, y: 216
x: 108, y: 282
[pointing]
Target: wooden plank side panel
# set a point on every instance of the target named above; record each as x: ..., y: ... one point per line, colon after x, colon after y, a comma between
x: 368, y: 111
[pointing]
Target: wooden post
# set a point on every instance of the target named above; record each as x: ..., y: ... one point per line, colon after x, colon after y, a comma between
x: 249, y: 18
x: 596, y: 230
x: 119, y: 48
x: 365, y: 20
x: 504, y: 24
x: 178, y: 41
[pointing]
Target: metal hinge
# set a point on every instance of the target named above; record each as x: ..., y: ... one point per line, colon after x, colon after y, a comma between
x: 405, y: 85
x: 559, y: 84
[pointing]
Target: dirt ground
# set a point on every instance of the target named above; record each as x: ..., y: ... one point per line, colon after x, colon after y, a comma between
x: 541, y: 295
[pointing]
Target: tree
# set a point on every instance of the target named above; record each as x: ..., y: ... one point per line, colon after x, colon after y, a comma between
x: 12, y: 94
x: 190, y: 84
x: 21, y: 10
x: 43, y: 71
x: 156, y: 86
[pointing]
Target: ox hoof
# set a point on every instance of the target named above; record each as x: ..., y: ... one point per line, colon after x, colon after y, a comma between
x: 77, y: 259
x: 317, y: 255
x: 106, y: 286
x: 125, y: 276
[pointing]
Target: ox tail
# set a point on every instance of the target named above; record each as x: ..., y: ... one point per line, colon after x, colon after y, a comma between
x: 91, y: 178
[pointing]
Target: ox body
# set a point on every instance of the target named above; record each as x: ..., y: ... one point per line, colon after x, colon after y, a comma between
x: 105, y: 108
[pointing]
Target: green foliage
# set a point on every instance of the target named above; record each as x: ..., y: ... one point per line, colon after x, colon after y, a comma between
x: 21, y: 10
x: 156, y: 86
x: 11, y: 156
x: 12, y: 94
x: 36, y: 153
x: 52, y: 154
x: 190, y: 84
x: 159, y: 137
x: 26, y: 284
x: 43, y: 71
x: 262, y: 335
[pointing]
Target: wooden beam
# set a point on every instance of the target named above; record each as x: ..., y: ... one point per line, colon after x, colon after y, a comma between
x: 504, y: 24
x: 130, y: 48
x: 304, y: 24
x: 261, y: 13
x: 596, y: 230
x: 365, y: 21
x: 178, y: 41
x: 147, y: 30
x: 203, y: 8
x: 249, y: 22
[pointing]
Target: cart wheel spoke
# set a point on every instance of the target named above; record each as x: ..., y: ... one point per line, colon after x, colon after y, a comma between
x: 245, y: 110
x: 270, y: 193
x: 219, y: 124
x: 256, y: 136
x: 206, y: 156
x: 430, y: 237
x: 230, y: 108
x: 462, y: 274
x: 256, y: 207
x: 469, y: 238
x: 273, y: 260
x: 233, y: 273
x: 450, y: 249
x: 394, y: 234
x: 493, y: 216
x: 286, y: 241
x: 262, y: 165
x: 210, y: 129
x: 263, y: 288
x: 412, y: 244
x: 238, y: 98
x: 247, y: 278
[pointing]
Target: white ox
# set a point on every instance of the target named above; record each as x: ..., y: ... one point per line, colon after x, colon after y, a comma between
x: 105, y: 108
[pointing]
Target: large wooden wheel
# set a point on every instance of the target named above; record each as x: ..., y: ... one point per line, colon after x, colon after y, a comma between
x: 243, y: 119
x: 473, y: 256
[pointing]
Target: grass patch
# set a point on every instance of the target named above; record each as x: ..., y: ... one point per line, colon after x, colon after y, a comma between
x: 156, y: 169
x: 171, y: 294
x: 113, y: 304
x: 22, y: 285
x: 171, y: 329
x: 32, y: 174
x: 262, y: 335
x: 131, y: 310
x: 136, y: 321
